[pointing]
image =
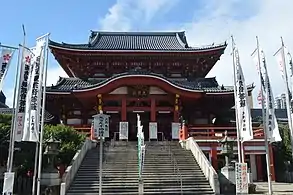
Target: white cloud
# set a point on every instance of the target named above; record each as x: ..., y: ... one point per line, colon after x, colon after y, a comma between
x: 272, y: 20
x: 122, y: 15
x: 53, y: 75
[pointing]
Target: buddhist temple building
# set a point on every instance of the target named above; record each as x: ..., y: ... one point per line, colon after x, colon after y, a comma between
x: 158, y: 75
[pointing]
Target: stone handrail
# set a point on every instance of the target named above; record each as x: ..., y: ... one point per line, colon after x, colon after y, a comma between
x: 74, y: 166
x: 205, y: 165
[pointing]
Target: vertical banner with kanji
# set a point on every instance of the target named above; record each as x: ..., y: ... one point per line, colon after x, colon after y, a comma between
x: 33, y: 100
x: 26, y: 63
x: 5, y: 61
x: 241, y: 178
x: 100, y: 126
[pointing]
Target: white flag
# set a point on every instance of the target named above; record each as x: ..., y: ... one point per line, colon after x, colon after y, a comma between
x: 273, y: 127
x: 25, y: 64
x: 32, y: 119
x: 5, y: 61
x: 241, y: 104
x: 281, y: 63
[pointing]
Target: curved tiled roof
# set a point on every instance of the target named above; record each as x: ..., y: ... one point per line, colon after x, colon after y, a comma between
x: 208, y: 85
x: 137, y: 41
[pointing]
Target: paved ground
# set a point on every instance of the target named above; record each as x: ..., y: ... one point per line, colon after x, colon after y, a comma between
x: 278, y: 188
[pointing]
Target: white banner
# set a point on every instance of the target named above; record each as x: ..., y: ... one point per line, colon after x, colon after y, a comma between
x: 5, y: 61
x: 241, y: 103
x: 33, y: 101
x: 241, y: 178
x: 273, y: 128
x: 123, y: 131
x: 280, y: 60
x: 175, y: 130
x: 8, y: 183
x: 26, y: 64
x: 153, y: 130
x: 106, y: 123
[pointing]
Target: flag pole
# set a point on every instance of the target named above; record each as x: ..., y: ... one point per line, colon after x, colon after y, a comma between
x: 265, y: 118
x: 235, y: 98
x: 43, y: 117
x: 15, y: 106
x: 288, y: 105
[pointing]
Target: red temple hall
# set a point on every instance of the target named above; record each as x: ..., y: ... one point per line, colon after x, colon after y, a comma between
x: 158, y: 75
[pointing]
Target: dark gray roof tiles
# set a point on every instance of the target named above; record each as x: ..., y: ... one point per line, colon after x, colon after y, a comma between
x: 208, y: 85
x: 156, y: 41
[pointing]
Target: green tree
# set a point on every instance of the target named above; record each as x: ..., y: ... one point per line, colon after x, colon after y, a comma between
x: 70, y: 141
x: 5, y: 124
x: 282, y: 150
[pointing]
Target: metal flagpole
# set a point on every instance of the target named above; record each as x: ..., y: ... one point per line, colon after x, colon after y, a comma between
x: 101, y: 134
x: 288, y: 105
x: 15, y: 105
x: 43, y: 117
x: 35, y: 168
x: 235, y: 97
x: 264, y: 119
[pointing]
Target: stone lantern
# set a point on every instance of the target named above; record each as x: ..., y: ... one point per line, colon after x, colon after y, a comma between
x: 52, y: 150
x: 227, y: 144
x: 50, y: 175
x: 228, y: 171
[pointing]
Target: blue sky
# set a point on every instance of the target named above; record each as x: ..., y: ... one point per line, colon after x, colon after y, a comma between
x: 205, y: 22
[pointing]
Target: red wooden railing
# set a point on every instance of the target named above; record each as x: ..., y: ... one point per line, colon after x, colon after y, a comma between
x: 198, y: 132
x: 216, y: 132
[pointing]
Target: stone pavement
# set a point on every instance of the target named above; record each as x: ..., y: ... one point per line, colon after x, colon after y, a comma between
x: 278, y: 188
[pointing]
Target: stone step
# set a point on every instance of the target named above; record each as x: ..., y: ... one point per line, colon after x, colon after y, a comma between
x: 131, y: 174
x: 146, y: 180
x: 135, y: 189
x: 146, y: 183
x: 147, y: 193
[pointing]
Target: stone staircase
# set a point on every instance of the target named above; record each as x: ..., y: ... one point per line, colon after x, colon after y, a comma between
x: 162, y: 176
x: 120, y: 172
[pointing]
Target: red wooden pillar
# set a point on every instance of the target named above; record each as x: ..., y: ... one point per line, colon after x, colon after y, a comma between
x: 153, y: 110
x: 259, y: 167
x: 214, y: 156
x: 272, y: 165
x: 123, y: 109
x: 176, y: 109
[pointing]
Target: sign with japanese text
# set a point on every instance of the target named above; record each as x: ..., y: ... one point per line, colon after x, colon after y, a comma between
x: 241, y: 178
x: 175, y: 130
x: 153, y: 130
x: 123, y: 131
x: 101, y: 125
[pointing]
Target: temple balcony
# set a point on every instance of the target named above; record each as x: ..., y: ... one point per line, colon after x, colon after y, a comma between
x: 207, y: 132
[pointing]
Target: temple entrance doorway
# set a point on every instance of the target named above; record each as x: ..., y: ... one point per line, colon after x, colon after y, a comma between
x: 132, y: 121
